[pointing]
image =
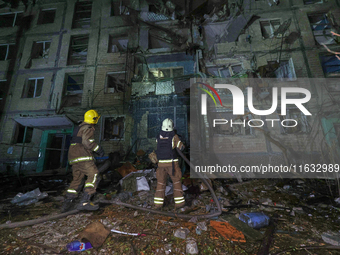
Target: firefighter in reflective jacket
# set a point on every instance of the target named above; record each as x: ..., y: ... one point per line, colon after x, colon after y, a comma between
x: 167, y: 141
x: 82, y: 161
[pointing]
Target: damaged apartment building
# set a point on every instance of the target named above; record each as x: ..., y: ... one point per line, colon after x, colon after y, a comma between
x: 132, y: 61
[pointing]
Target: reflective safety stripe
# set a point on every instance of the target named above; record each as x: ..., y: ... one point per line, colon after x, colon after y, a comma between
x: 178, y: 198
x: 97, y: 148
x: 167, y: 160
x: 73, y: 144
x: 172, y: 142
x: 91, y: 184
x: 91, y: 140
x: 178, y: 143
x: 158, y: 202
x: 80, y: 159
x: 159, y: 198
x: 71, y: 191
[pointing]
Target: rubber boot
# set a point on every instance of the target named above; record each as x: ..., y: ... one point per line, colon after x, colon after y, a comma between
x: 85, y: 203
x: 68, y: 203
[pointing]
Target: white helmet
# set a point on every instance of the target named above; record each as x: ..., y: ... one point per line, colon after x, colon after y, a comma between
x: 167, y: 125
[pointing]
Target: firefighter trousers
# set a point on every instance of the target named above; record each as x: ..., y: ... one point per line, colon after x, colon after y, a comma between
x: 79, y: 170
x: 162, y: 172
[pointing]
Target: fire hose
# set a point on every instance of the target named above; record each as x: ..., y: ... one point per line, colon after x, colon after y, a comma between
x: 178, y: 215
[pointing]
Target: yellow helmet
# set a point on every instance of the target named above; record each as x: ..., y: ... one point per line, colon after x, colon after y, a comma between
x: 91, y: 117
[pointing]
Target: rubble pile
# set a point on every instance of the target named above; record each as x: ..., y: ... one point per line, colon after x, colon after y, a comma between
x: 301, y: 213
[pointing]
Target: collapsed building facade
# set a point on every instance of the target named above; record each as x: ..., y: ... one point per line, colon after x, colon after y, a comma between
x: 132, y: 61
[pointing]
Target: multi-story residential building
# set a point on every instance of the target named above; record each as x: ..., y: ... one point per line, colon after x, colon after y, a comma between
x: 132, y: 61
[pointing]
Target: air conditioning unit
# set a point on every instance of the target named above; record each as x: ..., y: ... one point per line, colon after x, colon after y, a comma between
x: 110, y: 90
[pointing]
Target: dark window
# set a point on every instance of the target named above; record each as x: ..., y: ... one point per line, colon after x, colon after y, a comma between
x: 82, y: 14
x: 33, y: 88
x: 113, y: 128
x: 3, y: 85
x: 10, y: 19
x: 119, y: 8
x: 268, y: 28
x: 330, y: 65
x: 73, y: 90
x: 312, y: 1
x: 6, y: 51
x: 115, y: 82
x: 46, y: 17
x: 159, y: 39
x: 40, y: 49
x: 78, y: 50
x: 20, y: 132
x: 321, y: 28
x: 337, y: 132
x: 285, y: 69
x: 118, y: 43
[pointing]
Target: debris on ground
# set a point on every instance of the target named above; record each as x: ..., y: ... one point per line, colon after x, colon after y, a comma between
x: 29, y: 197
x: 307, y: 216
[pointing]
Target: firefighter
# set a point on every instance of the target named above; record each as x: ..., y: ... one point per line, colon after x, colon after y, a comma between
x: 82, y: 161
x: 167, y: 141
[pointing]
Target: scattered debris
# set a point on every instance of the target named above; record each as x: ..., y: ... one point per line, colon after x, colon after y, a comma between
x: 227, y: 231
x: 29, y: 197
x: 191, y: 247
x: 255, y: 219
x: 182, y: 233
x: 331, y: 238
x: 96, y: 233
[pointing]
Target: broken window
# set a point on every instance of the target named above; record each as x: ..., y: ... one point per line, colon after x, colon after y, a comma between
x: 225, y: 72
x: 78, y: 50
x: 330, y: 65
x: 300, y: 119
x: 268, y: 28
x: 285, y: 69
x: 113, y: 128
x: 171, y: 72
x: 20, y: 133
x: 46, y: 16
x: 10, y: 19
x: 236, y: 125
x: 40, y: 49
x: 82, y: 14
x: 157, y: 13
x: 33, y: 88
x: 7, y: 51
x: 118, y: 43
x: 119, y: 8
x: 158, y: 39
x: 3, y: 85
x: 74, y: 84
x: 115, y: 82
x: 312, y: 2
x: 321, y: 28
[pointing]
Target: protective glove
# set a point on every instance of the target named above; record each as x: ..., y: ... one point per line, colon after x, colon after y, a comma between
x: 100, y: 151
